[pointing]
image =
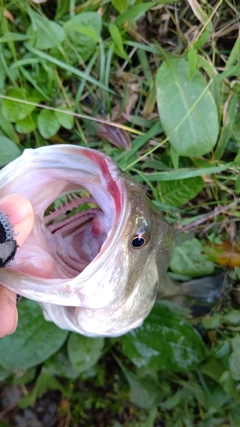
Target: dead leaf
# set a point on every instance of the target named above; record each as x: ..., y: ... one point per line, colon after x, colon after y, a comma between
x: 224, y: 254
x: 117, y: 136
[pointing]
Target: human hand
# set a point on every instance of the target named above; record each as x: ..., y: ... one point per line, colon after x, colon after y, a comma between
x: 20, y: 214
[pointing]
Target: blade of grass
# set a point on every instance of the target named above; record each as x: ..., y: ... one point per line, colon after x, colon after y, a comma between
x: 184, y: 173
x: 29, y: 78
x: 69, y: 68
x: 83, y: 81
x: 80, y: 116
x: 138, y: 143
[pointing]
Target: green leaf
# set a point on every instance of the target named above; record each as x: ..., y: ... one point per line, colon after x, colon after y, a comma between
x: 48, y: 123
x: 4, y: 373
x: 164, y: 341
x: 145, y: 391
x: 44, y: 34
x: 189, y: 260
x: 8, y: 37
x: 213, y: 368
x: 133, y: 13
x: 234, y: 358
x: 14, y: 111
x: 9, y: 151
x: 228, y: 126
x: 201, y: 40
x: 45, y: 382
x: 28, y: 124
x: 34, y: 340
x: 235, y: 123
x: 65, y: 120
x: 84, y: 31
x: 74, y: 70
x: 166, y: 1
x: 234, y: 54
x: 60, y: 365
x: 91, y: 33
x: 121, y: 5
x: 179, y: 192
x: 117, y: 39
x: 192, y: 60
x: 232, y: 317
x: 84, y: 352
x: 8, y: 129
x: 212, y: 322
x: 63, y: 6
x: 237, y: 184
x: 187, y: 109
x: 234, y: 415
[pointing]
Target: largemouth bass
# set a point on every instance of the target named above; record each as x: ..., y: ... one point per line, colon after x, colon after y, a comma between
x: 99, y: 249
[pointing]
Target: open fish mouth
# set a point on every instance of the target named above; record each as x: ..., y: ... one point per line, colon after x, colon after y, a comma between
x: 79, y: 202
x: 79, y: 229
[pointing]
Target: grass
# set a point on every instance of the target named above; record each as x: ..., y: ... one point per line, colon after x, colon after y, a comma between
x: 156, y: 87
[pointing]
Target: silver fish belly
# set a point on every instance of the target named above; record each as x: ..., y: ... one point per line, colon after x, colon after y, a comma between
x: 99, y: 249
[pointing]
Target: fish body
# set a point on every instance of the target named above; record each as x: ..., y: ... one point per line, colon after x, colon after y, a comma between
x: 99, y: 248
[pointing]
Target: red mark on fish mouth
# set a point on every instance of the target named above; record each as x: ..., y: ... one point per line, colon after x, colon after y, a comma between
x: 114, y: 186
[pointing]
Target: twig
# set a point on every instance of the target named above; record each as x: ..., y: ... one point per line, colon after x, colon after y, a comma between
x: 210, y: 215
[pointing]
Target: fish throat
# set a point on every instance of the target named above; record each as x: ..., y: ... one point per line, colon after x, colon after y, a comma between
x: 79, y: 227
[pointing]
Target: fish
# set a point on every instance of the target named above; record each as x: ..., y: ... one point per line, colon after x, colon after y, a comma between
x: 97, y: 256
x: 99, y: 249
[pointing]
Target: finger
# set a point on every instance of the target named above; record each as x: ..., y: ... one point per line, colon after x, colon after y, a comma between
x: 20, y: 214
x: 8, y: 312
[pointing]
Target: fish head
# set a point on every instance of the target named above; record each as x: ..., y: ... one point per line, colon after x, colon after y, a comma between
x: 98, y: 250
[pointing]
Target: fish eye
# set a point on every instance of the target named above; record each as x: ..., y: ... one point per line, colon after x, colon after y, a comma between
x: 138, y: 241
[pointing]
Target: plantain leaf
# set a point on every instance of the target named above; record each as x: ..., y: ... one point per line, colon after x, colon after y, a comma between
x: 34, y: 340
x: 84, y: 352
x: 43, y: 33
x: 164, y: 341
x: 176, y: 193
x: 84, y: 31
x: 187, y: 109
x: 9, y: 151
x: 189, y: 260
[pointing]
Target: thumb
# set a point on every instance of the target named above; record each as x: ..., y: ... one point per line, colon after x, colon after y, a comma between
x: 19, y: 212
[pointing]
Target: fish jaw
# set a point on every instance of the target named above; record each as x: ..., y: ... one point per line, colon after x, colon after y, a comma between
x: 116, y: 289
